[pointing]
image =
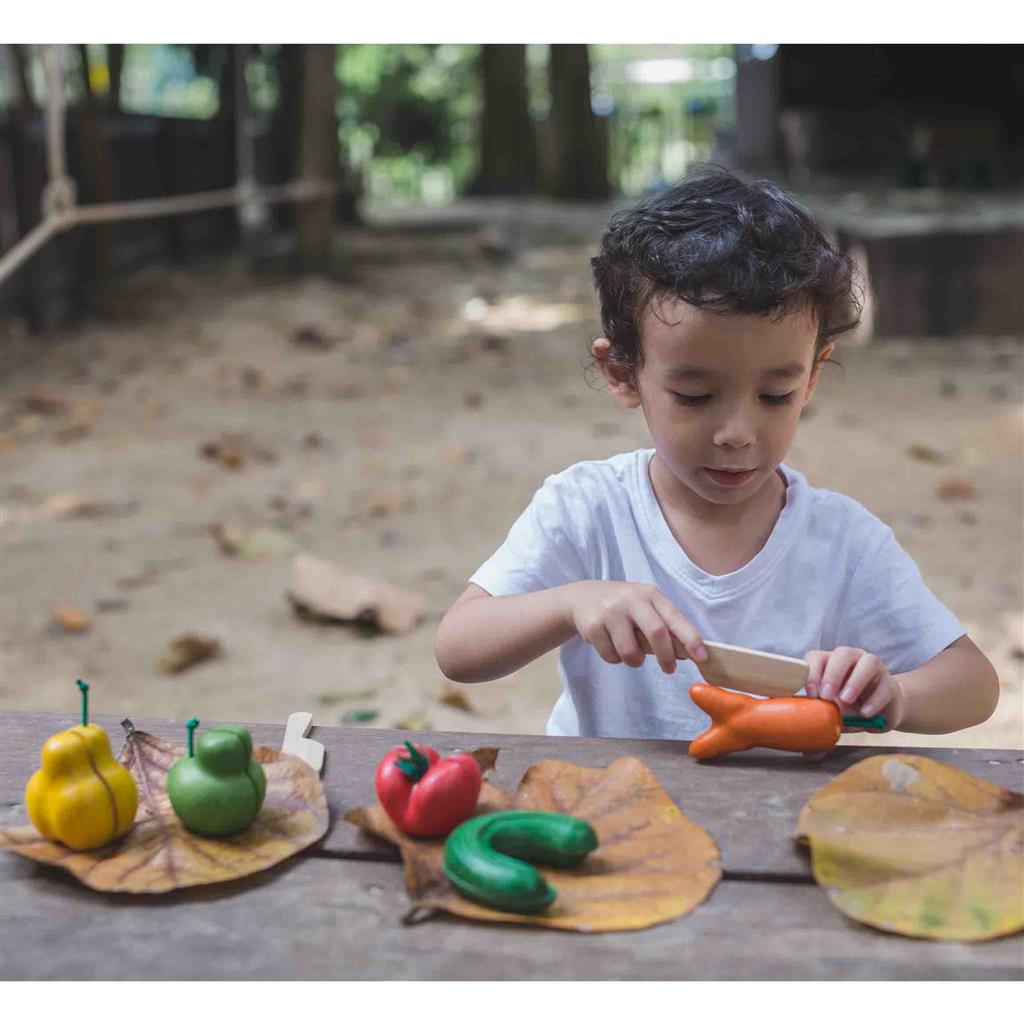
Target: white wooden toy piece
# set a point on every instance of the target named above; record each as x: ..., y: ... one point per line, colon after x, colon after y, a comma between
x: 295, y: 741
x: 741, y: 668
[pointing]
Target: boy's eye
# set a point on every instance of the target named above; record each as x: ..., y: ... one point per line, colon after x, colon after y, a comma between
x: 701, y: 399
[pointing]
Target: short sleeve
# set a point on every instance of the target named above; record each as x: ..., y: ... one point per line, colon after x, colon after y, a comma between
x: 544, y: 548
x: 889, y: 611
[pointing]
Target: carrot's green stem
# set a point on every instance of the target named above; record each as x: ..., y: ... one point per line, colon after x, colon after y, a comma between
x: 84, y: 687
x: 191, y: 726
x: 879, y: 722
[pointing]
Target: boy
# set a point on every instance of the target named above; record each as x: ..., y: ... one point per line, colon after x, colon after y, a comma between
x: 719, y: 303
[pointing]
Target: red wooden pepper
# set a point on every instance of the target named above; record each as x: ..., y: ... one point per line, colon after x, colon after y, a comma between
x: 425, y: 794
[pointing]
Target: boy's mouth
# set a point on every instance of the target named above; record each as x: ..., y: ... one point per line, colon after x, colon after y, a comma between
x: 728, y: 478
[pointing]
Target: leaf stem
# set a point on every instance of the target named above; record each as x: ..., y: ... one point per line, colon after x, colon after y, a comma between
x: 191, y: 726
x: 415, y: 765
x: 84, y: 687
x: 879, y: 722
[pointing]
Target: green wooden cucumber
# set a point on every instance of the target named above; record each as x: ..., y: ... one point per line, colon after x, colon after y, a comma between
x: 486, y: 857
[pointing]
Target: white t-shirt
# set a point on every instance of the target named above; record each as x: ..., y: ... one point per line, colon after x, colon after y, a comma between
x: 830, y: 575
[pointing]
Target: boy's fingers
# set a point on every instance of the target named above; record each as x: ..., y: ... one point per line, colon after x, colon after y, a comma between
x: 840, y: 661
x: 815, y: 666
x: 627, y: 645
x: 655, y: 638
x: 599, y: 639
x: 683, y: 629
x: 865, y: 671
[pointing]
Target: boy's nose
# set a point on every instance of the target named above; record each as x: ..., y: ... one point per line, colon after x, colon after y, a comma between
x: 736, y: 432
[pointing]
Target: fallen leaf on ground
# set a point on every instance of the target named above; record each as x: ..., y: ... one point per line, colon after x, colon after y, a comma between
x: 234, y: 451
x: 652, y: 864
x: 70, y: 619
x: 84, y: 506
x: 311, y: 336
x: 954, y: 489
x: 454, y: 697
x: 359, y: 716
x: 241, y: 541
x: 925, y: 453
x: 45, y: 401
x: 158, y: 854
x: 417, y: 721
x: 341, y: 696
x: 73, y: 432
x: 323, y: 591
x: 909, y: 845
x: 187, y: 650
x: 386, y: 503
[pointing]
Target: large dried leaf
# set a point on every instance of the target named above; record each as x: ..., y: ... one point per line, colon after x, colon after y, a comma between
x: 323, y: 591
x: 652, y: 865
x: 159, y: 854
x: 909, y: 845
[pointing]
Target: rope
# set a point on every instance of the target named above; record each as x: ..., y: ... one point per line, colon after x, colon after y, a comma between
x: 60, y: 209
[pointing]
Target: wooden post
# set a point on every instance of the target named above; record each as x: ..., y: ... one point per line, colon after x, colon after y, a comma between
x: 508, y: 149
x: 319, y: 154
x: 581, y: 162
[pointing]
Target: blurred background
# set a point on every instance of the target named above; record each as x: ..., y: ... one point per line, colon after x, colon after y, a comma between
x: 293, y: 332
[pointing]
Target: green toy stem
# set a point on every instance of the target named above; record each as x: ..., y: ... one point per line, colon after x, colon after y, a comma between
x: 191, y: 726
x: 878, y: 722
x: 84, y: 687
x: 415, y: 765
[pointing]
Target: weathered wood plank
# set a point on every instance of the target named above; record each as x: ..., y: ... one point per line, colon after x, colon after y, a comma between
x: 748, y: 803
x: 320, y: 918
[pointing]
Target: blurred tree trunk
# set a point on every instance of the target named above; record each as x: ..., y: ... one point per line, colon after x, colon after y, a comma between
x: 508, y: 148
x: 580, y: 157
x: 318, y: 153
x: 115, y: 65
x: 98, y: 165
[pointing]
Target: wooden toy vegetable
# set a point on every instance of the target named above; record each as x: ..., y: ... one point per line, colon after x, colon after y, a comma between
x: 425, y: 794
x: 81, y: 796
x: 217, y: 788
x: 486, y: 857
x: 802, y: 724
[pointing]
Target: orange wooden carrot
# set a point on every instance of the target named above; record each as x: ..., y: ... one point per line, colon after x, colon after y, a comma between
x: 738, y: 722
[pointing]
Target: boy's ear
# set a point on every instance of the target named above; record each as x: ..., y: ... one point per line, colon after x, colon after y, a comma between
x: 619, y: 378
x: 819, y: 363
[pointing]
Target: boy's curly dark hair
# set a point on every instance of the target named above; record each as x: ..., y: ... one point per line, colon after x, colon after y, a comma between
x: 729, y: 246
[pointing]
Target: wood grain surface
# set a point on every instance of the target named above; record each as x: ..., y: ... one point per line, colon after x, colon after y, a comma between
x: 749, y: 802
x: 319, y: 918
x: 336, y: 911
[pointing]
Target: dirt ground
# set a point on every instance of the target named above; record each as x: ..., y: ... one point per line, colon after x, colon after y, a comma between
x: 397, y: 422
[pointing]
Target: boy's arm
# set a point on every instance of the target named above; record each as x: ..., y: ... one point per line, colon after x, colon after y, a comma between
x: 483, y: 637
x: 958, y: 688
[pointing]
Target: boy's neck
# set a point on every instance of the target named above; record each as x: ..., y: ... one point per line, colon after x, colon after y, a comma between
x: 682, y: 505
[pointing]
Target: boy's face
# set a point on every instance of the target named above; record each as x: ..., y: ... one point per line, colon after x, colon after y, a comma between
x: 709, y: 399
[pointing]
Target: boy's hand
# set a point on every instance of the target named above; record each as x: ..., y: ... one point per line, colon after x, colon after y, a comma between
x: 857, y: 681
x: 616, y: 618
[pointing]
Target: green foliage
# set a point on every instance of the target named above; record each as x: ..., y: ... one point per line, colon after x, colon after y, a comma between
x: 407, y: 117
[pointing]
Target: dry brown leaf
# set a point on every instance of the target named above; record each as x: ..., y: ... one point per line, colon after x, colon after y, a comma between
x: 45, y: 401
x: 70, y: 619
x: 311, y: 336
x: 187, y: 650
x: 955, y: 488
x: 387, y: 502
x: 239, y: 540
x: 323, y: 591
x: 84, y: 506
x: 925, y: 453
x: 415, y: 721
x: 652, y: 865
x: 909, y: 845
x: 158, y: 854
x: 234, y: 451
x: 454, y: 697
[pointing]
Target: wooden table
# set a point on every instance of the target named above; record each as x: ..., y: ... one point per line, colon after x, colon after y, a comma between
x: 335, y: 912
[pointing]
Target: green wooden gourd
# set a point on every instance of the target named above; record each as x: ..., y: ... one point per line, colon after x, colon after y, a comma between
x: 220, y: 789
